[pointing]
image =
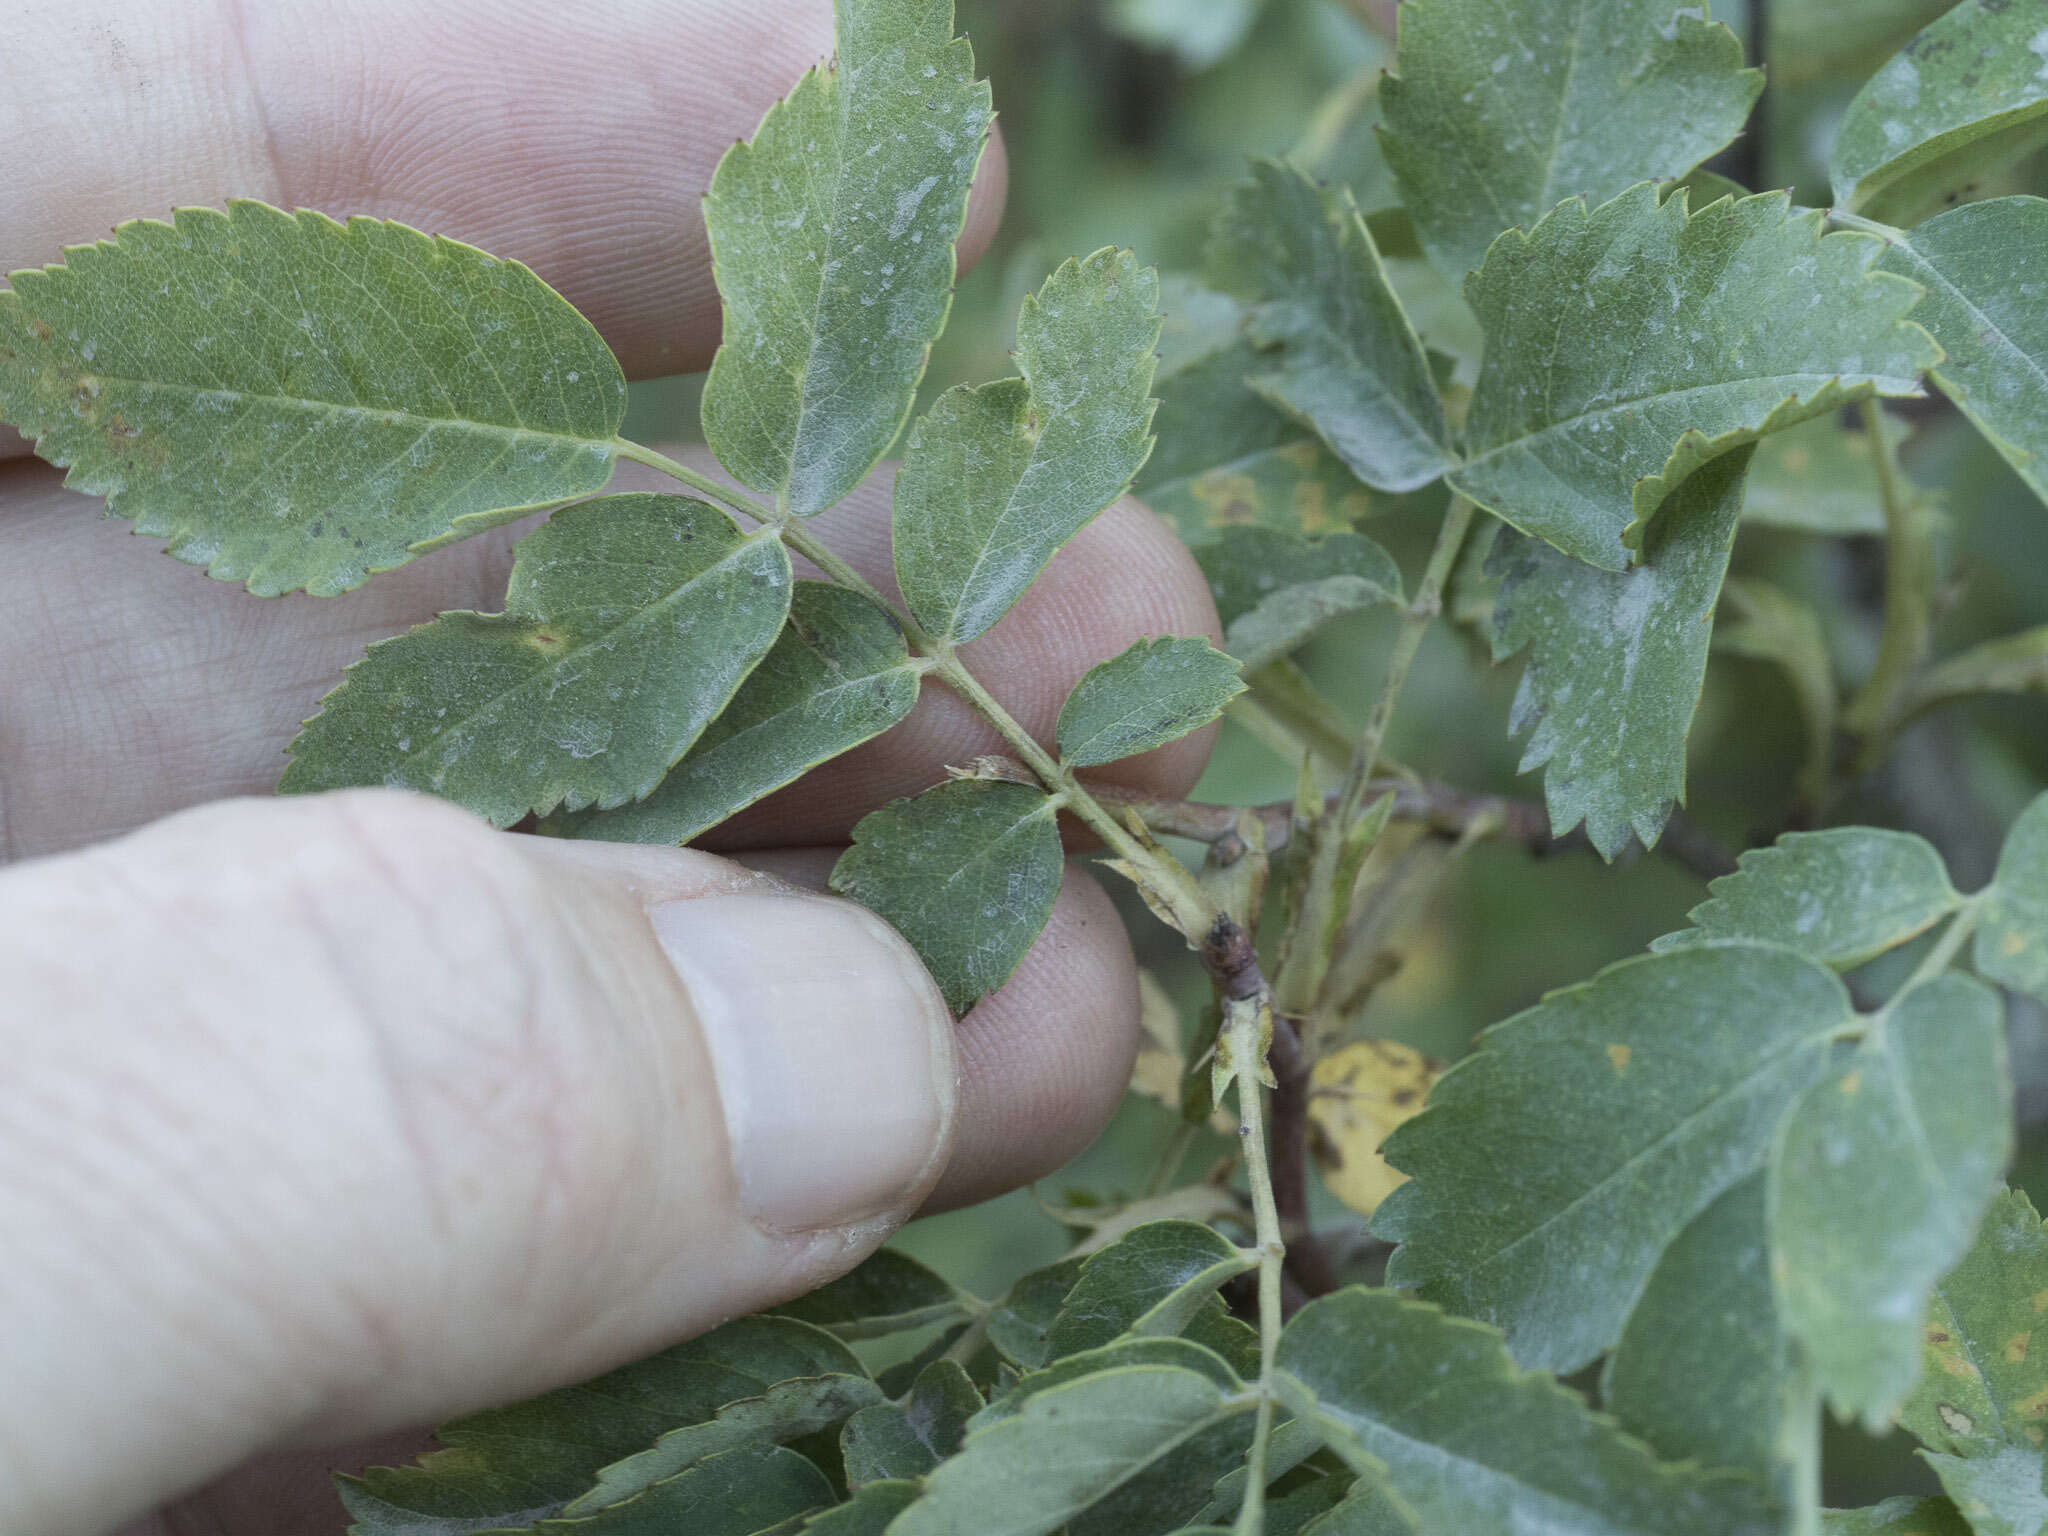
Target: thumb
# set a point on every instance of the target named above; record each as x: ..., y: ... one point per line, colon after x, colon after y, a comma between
x: 334, y: 1115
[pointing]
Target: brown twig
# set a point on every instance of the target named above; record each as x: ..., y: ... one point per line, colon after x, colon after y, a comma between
x: 1308, y: 1263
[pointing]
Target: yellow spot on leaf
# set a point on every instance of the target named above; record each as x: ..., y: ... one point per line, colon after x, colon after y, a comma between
x: 1357, y: 1095
x: 1619, y: 1055
x: 2013, y: 942
x: 2039, y: 1301
x: 2033, y: 1407
x: 2016, y: 1348
x: 1850, y: 1084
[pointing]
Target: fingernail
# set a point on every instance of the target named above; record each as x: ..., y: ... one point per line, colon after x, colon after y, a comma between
x: 832, y: 1047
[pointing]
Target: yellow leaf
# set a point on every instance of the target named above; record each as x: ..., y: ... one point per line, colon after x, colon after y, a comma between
x: 1160, y: 1064
x: 1357, y: 1095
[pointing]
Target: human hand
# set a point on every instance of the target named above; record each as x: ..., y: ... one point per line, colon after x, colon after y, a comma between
x: 326, y: 1118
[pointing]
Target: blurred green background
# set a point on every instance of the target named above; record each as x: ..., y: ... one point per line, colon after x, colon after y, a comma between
x: 1125, y: 120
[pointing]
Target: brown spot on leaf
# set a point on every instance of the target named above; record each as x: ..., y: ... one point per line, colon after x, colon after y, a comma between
x: 2016, y: 1348
x: 1619, y: 1055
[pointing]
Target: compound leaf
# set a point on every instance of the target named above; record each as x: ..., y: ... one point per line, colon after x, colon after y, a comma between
x: 1070, y: 1446
x: 840, y: 674
x: 1629, y: 343
x: 788, y: 1410
x: 629, y: 622
x: 1499, y: 109
x: 996, y: 479
x: 293, y: 402
x: 1617, y: 660
x: 1881, y: 1174
x: 908, y: 1439
x: 1342, y: 356
x: 1486, y: 1449
x: 1274, y: 590
x: 1554, y: 1165
x: 1984, y: 1384
x: 1703, y: 1369
x: 967, y: 872
x: 832, y: 235
x: 1967, y: 96
x: 1985, y: 268
x: 1155, y: 692
x: 888, y: 1292
x: 507, y: 1467
x: 1149, y: 1282
x: 1842, y: 896
x: 2012, y: 931
x: 1897, y: 1517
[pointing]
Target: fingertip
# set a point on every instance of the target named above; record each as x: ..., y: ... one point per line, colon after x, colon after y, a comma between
x: 985, y: 201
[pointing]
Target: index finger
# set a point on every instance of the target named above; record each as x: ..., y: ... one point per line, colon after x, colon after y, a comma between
x: 581, y: 146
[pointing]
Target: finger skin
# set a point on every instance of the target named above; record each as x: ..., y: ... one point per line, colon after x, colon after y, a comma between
x: 578, y: 141
x: 136, y: 686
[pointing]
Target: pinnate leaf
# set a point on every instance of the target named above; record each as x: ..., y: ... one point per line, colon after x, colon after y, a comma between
x: 1984, y: 1384
x: 832, y: 235
x: 888, y: 1292
x: 1486, y: 1449
x: 507, y: 1467
x: 1881, y: 1173
x: 839, y: 674
x: 1499, y: 109
x: 1068, y: 1447
x: 1274, y: 590
x: 629, y: 622
x: 2012, y: 931
x: 908, y: 1439
x: 967, y: 872
x: 293, y: 402
x: 996, y: 479
x: 1629, y: 343
x: 1842, y: 896
x: 1617, y: 660
x: 1985, y: 268
x: 1966, y: 96
x: 1702, y: 1368
x: 1342, y: 356
x: 1149, y: 1282
x: 1554, y: 1165
x: 1153, y: 693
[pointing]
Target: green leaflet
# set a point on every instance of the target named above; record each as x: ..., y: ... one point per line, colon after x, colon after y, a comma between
x: 1880, y: 1175
x: 967, y: 872
x: 1499, y: 109
x: 1019, y: 1323
x: 1208, y: 414
x: 908, y: 1439
x: 888, y: 1292
x: 1554, y: 1166
x: 1984, y: 1384
x: 839, y: 675
x: 293, y: 402
x: 1813, y: 38
x: 996, y: 479
x: 1298, y: 487
x: 1368, y: 1511
x: 1818, y: 477
x: 1068, y: 1447
x: 2000, y: 1494
x: 1274, y: 590
x: 867, y: 1513
x: 749, y: 1491
x: 519, y: 1464
x: 2012, y: 930
x: 1702, y: 1368
x: 1485, y: 1449
x: 1179, y: 1354
x: 1344, y: 358
x: 788, y: 1410
x: 1897, y: 1517
x: 1984, y: 268
x: 832, y: 236
x: 1967, y: 96
x: 1149, y: 1283
x: 1842, y: 897
x: 1617, y: 660
x: 1629, y: 343
x: 1155, y: 692
x: 629, y: 621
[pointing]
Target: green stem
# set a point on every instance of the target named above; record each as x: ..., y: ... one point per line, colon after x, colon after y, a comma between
x: 1286, y: 693
x: 1246, y: 1022
x: 1947, y: 947
x: 1908, y: 598
x: 1167, y: 878
x: 1802, y: 1448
